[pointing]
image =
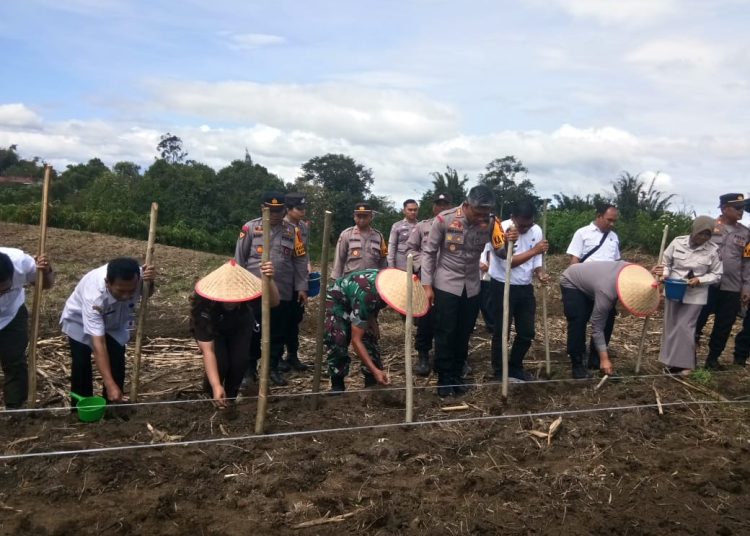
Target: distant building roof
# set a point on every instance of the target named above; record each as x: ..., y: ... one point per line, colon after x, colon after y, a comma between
x: 17, y: 180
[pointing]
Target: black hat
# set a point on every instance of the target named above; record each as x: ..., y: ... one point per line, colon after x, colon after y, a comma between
x: 362, y: 208
x: 295, y: 200
x: 272, y: 199
x: 731, y: 199
x: 442, y: 198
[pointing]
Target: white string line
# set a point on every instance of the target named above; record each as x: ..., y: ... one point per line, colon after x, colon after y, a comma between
x: 613, y: 379
x: 284, y: 435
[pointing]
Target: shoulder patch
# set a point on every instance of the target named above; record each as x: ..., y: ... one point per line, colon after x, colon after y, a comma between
x: 746, y: 252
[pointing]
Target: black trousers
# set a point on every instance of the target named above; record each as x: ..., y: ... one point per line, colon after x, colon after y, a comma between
x: 724, y: 305
x: 742, y: 341
x: 487, y: 304
x: 577, y: 308
x: 453, y: 321
x: 522, y: 311
x: 281, y: 321
x: 292, y: 332
x: 425, y: 333
x: 82, y: 372
x: 232, y: 352
x: 13, y: 342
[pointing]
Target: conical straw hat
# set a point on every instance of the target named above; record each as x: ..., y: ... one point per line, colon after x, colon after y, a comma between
x: 638, y: 290
x: 391, y: 285
x: 229, y: 283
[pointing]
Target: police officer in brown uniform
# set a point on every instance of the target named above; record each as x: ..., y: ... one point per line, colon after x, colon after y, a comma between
x: 296, y: 207
x: 451, y: 280
x: 289, y: 258
x: 400, y: 232
x: 360, y: 247
x: 724, y: 299
x: 415, y: 244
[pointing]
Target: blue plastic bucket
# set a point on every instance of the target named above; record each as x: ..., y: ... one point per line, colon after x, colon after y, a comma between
x: 313, y: 284
x: 674, y: 289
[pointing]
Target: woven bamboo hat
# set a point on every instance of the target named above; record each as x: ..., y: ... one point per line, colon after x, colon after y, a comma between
x: 391, y: 285
x: 638, y: 290
x: 229, y: 283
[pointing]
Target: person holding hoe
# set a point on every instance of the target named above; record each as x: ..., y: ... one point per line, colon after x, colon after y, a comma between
x: 97, y: 319
x: 17, y: 270
x: 352, y: 306
x: 222, y: 322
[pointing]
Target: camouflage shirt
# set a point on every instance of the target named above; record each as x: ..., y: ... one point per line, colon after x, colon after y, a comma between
x: 354, y: 297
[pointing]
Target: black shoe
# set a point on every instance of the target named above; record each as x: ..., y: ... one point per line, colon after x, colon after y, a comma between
x: 370, y: 380
x: 521, y: 375
x: 277, y: 378
x: 423, y: 365
x: 459, y: 387
x: 579, y: 371
x: 294, y: 362
x: 338, y: 385
x: 713, y: 364
x: 740, y: 362
x: 444, y: 391
x: 284, y: 365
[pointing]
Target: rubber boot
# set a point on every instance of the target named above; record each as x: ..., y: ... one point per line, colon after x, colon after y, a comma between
x: 337, y: 385
x: 277, y: 378
x: 295, y: 364
x: 423, y: 364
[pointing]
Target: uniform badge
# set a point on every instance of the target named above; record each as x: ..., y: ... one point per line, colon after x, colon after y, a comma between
x: 355, y: 253
x: 452, y: 247
x: 242, y: 235
x: 259, y: 250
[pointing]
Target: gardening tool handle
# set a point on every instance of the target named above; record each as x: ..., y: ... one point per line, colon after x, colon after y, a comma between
x: 77, y: 396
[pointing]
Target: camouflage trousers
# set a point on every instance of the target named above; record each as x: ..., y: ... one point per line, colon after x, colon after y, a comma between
x: 338, y: 336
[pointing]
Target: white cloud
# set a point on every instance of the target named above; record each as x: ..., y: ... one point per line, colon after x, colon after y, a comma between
x: 356, y: 114
x: 252, y: 41
x: 18, y: 115
x: 676, y: 55
x: 617, y: 12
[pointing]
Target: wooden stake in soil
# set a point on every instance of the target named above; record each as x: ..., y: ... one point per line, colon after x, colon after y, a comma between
x: 506, y: 311
x: 407, y: 336
x: 265, y: 327
x: 135, y: 380
x: 645, y: 320
x: 321, y: 318
x: 545, y: 289
x: 36, y: 307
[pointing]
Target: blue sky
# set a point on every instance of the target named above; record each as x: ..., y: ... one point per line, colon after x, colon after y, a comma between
x: 579, y: 90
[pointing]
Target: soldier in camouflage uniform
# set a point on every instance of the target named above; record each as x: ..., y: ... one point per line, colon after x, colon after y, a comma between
x: 289, y: 259
x: 352, y: 306
x: 416, y: 242
x: 451, y: 280
x: 296, y: 208
x: 400, y: 231
x: 360, y: 247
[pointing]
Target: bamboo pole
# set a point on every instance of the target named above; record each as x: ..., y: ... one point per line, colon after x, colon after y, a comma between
x: 146, y: 289
x: 545, y: 291
x: 407, y: 336
x: 321, y: 318
x: 506, y: 314
x: 645, y: 320
x: 265, y: 328
x: 36, y: 307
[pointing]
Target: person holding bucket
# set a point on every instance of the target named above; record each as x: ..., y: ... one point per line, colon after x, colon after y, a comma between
x: 589, y: 291
x: 692, y: 261
x: 222, y: 322
x: 352, y: 306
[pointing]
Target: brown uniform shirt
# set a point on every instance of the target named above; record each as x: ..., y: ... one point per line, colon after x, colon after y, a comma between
x: 418, y: 240
x: 397, y: 248
x: 451, y: 256
x: 359, y: 251
x: 288, y: 255
x: 734, y: 250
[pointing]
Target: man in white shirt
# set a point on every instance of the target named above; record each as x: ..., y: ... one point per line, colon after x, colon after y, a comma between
x: 525, y: 264
x: 598, y: 242
x: 97, y: 319
x: 17, y: 270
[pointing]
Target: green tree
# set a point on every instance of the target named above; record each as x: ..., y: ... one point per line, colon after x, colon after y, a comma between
x: 170, y: 149
x: 578, y: 203
x: 632, y: 195
x: 508, y: 178
x: 127, y: 170
x: 447, y: 182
